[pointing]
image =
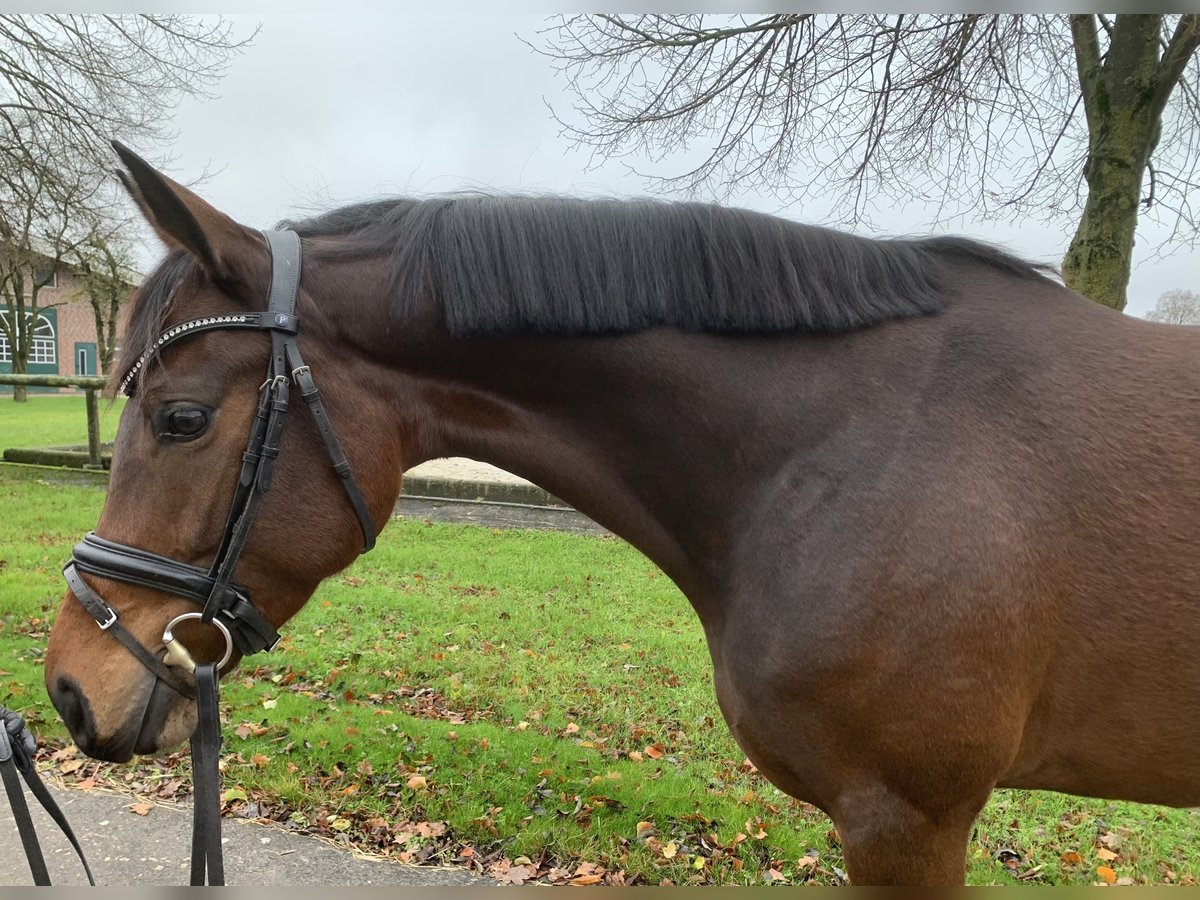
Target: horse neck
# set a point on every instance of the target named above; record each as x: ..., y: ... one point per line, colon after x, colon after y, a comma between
x: 664, y: 438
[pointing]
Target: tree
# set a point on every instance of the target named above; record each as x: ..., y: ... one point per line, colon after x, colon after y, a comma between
x: 77, y: 81
x: 1177, y: 307
x: 1002, y: 115
x: 105, y: 267
x: 40, y: 223
x: 68, y: 85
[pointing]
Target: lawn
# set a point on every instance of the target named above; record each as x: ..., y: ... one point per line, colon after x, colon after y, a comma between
x: 50, y: 419
x: 533, y: 704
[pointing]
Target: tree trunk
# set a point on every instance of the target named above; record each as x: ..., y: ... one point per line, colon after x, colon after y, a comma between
x: 1098, y: 261
x: 20, y: 392
x: 1123, y: 104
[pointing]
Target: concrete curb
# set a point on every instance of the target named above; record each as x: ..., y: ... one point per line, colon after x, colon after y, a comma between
x: 419, y: 487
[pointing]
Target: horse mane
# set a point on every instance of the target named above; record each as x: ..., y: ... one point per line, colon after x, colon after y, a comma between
x: 505, y: 265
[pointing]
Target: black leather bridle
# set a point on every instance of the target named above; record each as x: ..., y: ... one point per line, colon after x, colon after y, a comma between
x: 225, y: 603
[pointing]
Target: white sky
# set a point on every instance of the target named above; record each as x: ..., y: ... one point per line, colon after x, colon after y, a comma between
x: 328, y: 109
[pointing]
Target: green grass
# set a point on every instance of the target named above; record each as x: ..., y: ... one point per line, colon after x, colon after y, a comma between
x: 551, y: 690
x: 46, y: 420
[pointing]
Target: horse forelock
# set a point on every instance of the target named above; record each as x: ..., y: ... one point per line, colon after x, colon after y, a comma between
x: 152, y: 305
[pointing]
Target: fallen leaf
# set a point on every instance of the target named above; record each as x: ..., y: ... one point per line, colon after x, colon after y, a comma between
x: 517, y: 875
x: 1106, y: 854
x: 670, y: 850
x: 586, y: 879
x: 340, y: 824
x: 142, y: 809
x: 1112, y: 841
x: 269, y: 702
x: 1107, y: 874
x: 654, y: 751
x: 417, y: 783
x: 260, y: 760
x: 1071, y: 858
x: 71, y: 765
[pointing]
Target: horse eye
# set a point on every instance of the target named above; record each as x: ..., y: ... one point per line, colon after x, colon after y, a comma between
x: 186, y: 423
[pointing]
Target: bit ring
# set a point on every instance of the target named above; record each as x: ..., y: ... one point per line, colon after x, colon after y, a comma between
x: 184, y: 659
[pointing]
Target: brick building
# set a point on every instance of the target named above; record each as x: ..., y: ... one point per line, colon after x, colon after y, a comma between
x: 64, y: 340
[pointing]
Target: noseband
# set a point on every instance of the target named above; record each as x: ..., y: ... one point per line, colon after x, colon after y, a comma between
x: 226, y: 603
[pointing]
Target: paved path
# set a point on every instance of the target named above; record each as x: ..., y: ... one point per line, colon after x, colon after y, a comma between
x: 124, y: 848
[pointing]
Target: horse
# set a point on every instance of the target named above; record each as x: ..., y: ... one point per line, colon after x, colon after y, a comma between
x: 926, y: 502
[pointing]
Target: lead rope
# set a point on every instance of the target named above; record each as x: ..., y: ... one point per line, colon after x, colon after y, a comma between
x: 17, y: 747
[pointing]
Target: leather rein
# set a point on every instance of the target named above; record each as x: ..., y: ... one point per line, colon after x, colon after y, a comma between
x: 225, y: 603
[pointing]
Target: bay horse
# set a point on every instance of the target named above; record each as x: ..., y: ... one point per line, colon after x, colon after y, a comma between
x: 938, y: 515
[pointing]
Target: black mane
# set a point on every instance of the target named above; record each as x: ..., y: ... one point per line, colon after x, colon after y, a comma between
x: 566, y: 266
x: 501, y: 265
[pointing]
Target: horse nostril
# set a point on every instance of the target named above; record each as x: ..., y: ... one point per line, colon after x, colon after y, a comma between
x: 71, y: 705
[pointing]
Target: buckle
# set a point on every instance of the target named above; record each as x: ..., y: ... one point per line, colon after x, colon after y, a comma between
x: 112, y: 618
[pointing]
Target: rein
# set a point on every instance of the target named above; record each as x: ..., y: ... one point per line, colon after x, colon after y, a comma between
x: 226, y: 604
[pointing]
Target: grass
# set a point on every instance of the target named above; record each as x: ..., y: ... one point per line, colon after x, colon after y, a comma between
x: 46, y: 420
x: 462, y: 694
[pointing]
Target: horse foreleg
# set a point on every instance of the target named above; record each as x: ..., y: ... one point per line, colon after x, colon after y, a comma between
x: 888, y: 840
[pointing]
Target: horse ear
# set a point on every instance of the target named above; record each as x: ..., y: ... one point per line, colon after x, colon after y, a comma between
x: 218, y: 243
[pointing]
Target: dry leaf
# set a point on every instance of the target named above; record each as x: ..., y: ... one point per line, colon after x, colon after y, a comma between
x: 586, y: 879
x: 670, y: 850
x: 1071, y: 858
x: 71, y: 765
x: 1106, y: 854
x: 259, y: 760
x: 142, y: 809
x: 417, y: 783
x: 654, y: 751
x: 517, y: 875
x: 1107, y: 874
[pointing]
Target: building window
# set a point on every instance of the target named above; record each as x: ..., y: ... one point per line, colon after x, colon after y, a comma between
x: 44, y: 348
x: 45, y: 277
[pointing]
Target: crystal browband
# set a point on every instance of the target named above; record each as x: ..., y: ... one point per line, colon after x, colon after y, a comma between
x: 207, y: 323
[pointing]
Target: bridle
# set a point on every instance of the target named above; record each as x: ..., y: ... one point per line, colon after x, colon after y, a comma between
x: 225, y: 603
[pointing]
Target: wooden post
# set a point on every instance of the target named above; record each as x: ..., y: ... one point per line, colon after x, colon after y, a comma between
x: 93, y: 426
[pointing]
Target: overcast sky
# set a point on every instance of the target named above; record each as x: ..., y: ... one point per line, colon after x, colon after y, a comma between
x: 328, y: 109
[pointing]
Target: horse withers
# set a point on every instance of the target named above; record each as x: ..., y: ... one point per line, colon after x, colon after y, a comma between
x: 925, y: 500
